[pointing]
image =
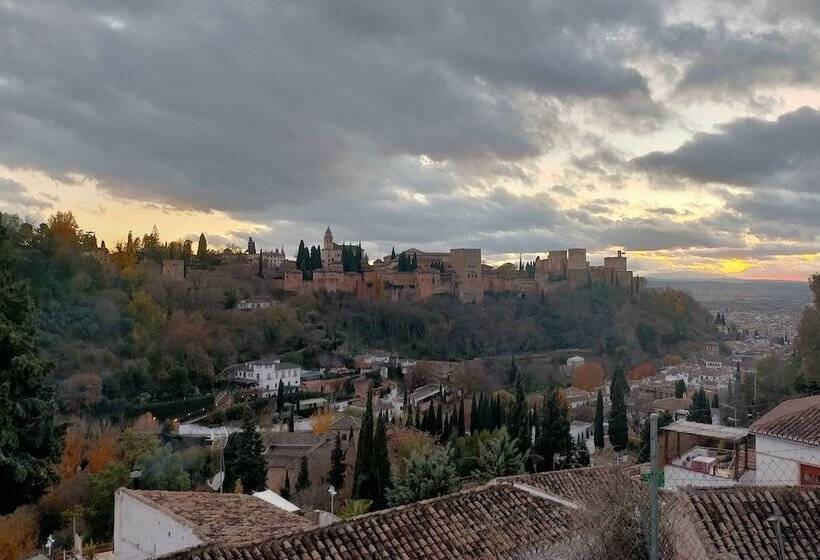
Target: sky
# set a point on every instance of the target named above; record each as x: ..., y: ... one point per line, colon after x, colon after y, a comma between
x: 686, y: 133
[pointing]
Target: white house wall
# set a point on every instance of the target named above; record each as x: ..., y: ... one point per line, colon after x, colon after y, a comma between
x: 141, y: 532
x: 778, y: 460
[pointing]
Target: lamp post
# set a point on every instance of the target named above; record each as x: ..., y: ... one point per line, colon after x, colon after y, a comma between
x: 332, y: 491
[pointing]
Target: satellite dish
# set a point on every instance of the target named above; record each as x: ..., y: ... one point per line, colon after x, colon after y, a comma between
x: 215, y: 483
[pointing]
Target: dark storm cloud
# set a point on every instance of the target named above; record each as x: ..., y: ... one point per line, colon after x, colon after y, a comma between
x: 749, y: 152
x: 245, y: 105
x: 732, y: 65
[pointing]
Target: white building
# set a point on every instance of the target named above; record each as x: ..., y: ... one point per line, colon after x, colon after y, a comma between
x: 253, y: 304
x: 154, y: 523
x: 788, y: 443
x: 265, y: 375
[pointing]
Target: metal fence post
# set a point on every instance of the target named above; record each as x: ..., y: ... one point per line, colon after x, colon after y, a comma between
x: 653, y: 488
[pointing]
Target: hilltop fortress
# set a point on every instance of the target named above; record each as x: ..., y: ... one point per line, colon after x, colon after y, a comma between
x: 458, y: 271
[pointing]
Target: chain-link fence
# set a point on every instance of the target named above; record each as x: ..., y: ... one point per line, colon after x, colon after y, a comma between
x: 714, y: 492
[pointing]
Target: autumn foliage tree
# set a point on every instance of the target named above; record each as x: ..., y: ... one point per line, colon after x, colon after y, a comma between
x: 642, y: 371
x: 18, y: 533
x: 588, y: 376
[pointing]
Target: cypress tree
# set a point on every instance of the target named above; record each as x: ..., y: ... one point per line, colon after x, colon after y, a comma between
x: 243, y: 456
x: 303, y: 480
x: 554, y: 438
x: 202, y: 248
x: 260, y: 273
x: 513, y: 371
x: 408, y: 419
x: 462, y: 429
x: 700, y: 410
x: 618, y: 427
x: 290, y: 422
x: 362, y: 477
x: 336, y: 476
x: 280, y: 397
x: 285, y: 490
x: 599, y: 421
x: 381, y: 464
x: 517, y: 419
x: 393, y: 254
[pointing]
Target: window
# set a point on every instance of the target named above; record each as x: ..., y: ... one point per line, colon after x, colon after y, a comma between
x: 809, y: 475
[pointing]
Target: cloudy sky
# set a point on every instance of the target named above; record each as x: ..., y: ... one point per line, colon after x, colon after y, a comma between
x: 686, y: 133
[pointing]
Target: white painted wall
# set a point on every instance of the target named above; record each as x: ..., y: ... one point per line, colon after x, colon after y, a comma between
x: 778, y: 460
x: 142, y: 532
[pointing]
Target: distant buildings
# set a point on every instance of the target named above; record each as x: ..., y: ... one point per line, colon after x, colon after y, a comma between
x: 263, y: 376
x: 459, y: 272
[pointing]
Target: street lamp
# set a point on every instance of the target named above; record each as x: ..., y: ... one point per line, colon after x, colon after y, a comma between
x: 332, y: 491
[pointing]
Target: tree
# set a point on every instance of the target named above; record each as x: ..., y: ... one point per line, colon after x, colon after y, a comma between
x: 100, y: 514
x: 381, y: 464
x: 647, y: 337
x: 499, y: 457
x: 715, y: 401
x: 588, y: 376
x: 513, y: 371
x: 517, y: 424
x: 424, y: 475
x: 243, y: 457
x: 393, y: 254
x: 303, y: 480
x: 618, y: 427
x: 202, y: 247
x: 18, y: 533
x: 363, y: 487
x: 699, y: 410
x: 261, y: 271
x: 553, y: 433
x: 599, y: 421
x: 807, y: 343
x: 336, y: 476
x: 642, y: 371
x: 30, y: 440
x: 680, y: 388
x: 251, y: 246
x: 285, y: 490
x: 280, y: 397
x: 664, y: 419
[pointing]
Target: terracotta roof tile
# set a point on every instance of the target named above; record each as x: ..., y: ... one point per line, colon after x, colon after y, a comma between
x: 573, y: 484
x: 795, y: 420
x: 494, y: 521
x: 229, y: 519
x: 734, y: 521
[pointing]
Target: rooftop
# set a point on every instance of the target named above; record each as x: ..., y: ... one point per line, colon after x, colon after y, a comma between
x: 733, y: 521
x: 494, y: 521
x: 795, y: 420
x: 725, y: 433
x: 228, y: 519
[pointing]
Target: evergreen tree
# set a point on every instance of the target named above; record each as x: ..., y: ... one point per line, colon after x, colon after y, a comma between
x: 30, y: 440
x: 251, y: 246
x: 474, y: 420
x: 363, y: 483
x: 517, y: 419
x: 462, y: 429
x: 290, y: 422
x: 243, y: 457
x: 393, y: 254
x: 700, y: 411
x: 618, y: 427
x: 499, y: 457
x: 300, y: 257
x: 414, y: 263
x: 513, y: 371
x: 285, y: 490
x: 260, y: 273
x: 381, y: 464
x: 280, y: 397
x: 599, y: 421
x: 680, y: 388
x: 303, y: 480
x: 202, y: 248
x: 336, y: 476
x: 715, y: 401
x: 554, y: 437
x: 664, y: 419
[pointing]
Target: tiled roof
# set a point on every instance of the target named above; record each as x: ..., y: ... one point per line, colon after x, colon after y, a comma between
x: 346, y: 422
x: 795, y: 420
x: 495, y: 521
x: 227, y: 519
x: 573, y: 484
x: 733, y: 521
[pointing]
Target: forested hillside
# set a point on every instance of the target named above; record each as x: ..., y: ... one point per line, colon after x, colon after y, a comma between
x: 123, y: 337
